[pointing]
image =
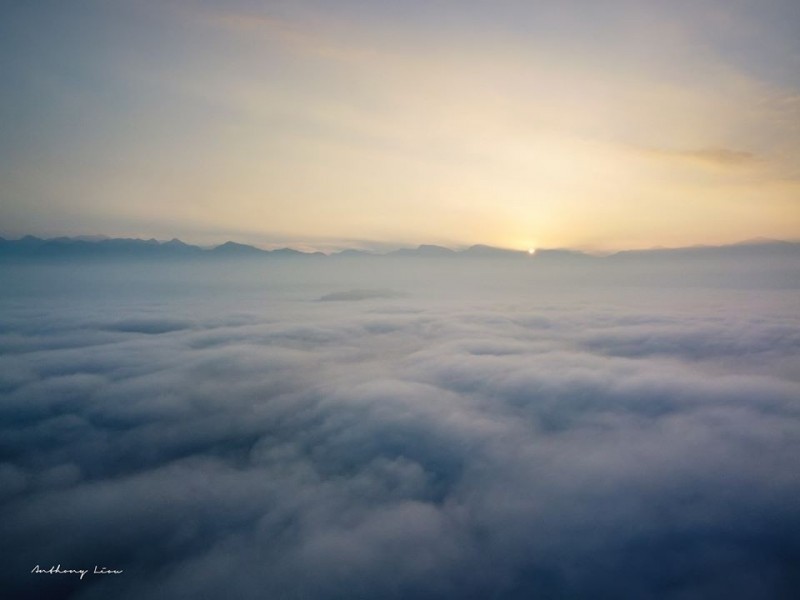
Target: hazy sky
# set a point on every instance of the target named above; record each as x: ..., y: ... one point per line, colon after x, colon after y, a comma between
x: 602, y: 124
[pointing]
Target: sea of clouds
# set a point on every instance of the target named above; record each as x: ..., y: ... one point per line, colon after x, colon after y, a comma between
x: 362, y: 431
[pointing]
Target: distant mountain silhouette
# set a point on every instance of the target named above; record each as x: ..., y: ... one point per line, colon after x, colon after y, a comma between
x: 351, y: 253
x: 234, y: 249
x: 291, y: 253
x: 31, y: 247
x: 742, y: 250
x: 562, y: 254
x: 81, y: 247
x: 423, y: 250
x: 482, y: 251
x: 176, y: 244
x: 759, y: 241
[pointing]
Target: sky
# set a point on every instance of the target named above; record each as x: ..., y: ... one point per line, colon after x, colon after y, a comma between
x: 599, y: 125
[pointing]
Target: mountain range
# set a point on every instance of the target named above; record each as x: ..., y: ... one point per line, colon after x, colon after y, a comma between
x: 31, y: 247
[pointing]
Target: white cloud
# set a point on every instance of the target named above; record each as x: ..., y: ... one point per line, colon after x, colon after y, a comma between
x: 516, y: 441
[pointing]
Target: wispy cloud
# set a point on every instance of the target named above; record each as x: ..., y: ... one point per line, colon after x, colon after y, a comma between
x: 311, y: 38
x: 714, y: 157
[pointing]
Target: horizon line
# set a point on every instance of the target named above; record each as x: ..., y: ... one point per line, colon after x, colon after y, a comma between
x: 99, y: 238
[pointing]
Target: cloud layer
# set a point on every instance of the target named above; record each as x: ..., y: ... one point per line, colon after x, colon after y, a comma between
x: 416, y: 446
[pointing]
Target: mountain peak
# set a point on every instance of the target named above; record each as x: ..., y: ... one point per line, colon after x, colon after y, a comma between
x: 230, y: 246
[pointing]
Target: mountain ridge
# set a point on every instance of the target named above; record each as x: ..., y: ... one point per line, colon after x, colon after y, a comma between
x: 30, y: 246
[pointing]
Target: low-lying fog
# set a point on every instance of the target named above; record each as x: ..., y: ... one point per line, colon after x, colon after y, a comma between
x: 400, y: 428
